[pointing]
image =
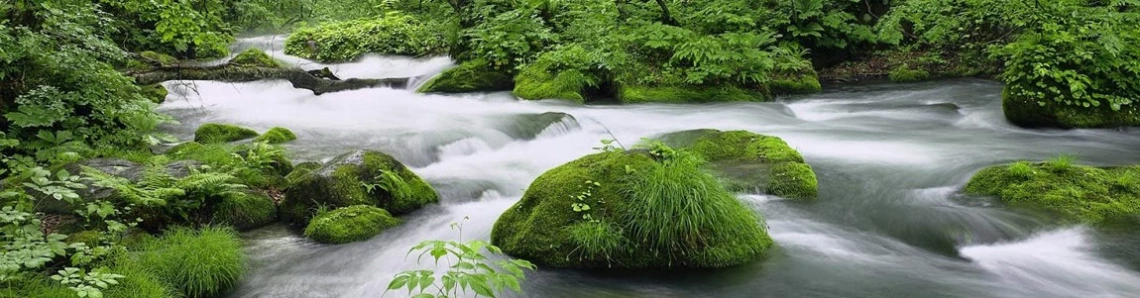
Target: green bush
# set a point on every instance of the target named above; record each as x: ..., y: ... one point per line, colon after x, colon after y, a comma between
x: 1076, y: 193
x: 276, y: 135
x: 394, y: 34
x: 201, y: 263
x: 211, y: 133
x: 349, y: 224
x: 470, y: 76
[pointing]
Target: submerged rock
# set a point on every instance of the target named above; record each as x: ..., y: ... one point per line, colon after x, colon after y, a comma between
x: 471, y: 76
x: 357, y: 178
x: 1076, y: 193
x: 529, y: 126
x: 749, y: 161
x: 630, y: 210
x: 349, y: 224
x: 212, y: 133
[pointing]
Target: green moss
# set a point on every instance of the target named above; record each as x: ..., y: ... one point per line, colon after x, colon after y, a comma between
x: 471, y: 76
x: 349, y: 224
x: 905, y: 74
x: 544, y: 228
x: 255, y: 57
x: 689, y: 94
x: 164, y: 59
x: 1026, y: 112
x: 804, y: 83
x: 90, y: 238
x: 536, y: 81
x: 302, y: 169
x: 276, y: 135
x: 155, y: 92
x: 245, y: 211
x: 211, y: 133
x: 1076, y: 193
x: 200, y: 263
x: 357, y: 178
x: 748, y: 161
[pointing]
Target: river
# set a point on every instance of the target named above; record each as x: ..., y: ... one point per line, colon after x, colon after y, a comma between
x: 890, y: 220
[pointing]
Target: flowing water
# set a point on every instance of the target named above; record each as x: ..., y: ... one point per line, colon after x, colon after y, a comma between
x: 890, y: 220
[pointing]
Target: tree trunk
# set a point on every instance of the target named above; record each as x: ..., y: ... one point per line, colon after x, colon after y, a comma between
x: 666, y: 17
x: 233, y: 73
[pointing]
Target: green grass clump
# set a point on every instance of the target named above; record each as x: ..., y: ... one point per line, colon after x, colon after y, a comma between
x: 643, y: 214
x: 689, y: 94
x: 255, y: 57
x: 30, y: 285
x: 905, y: 74
x: 276, y: 135
x: 357, y: 178
x: 139, y: 282
x: 197, y: 263
x: 1075, y: 192
x: 212, y: 133
x: 393, y: 34
x: 245, y: 211
x: 471, y: 76
x: 349, y: 224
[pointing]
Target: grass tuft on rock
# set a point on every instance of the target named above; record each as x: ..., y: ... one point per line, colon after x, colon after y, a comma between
x: 748, y: 161
x: 197, y: 263
x: 349, y: 224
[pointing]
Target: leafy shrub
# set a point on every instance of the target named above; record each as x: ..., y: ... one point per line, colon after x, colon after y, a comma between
x: 470, y: 271
x: 198, y: 263
x: 349, y: 224
x: 394, y: 34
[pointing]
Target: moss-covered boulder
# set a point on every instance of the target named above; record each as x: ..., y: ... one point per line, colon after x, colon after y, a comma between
x: 254, y: 164
x: 357, y: 178
x: 302, y: 169
x: 276, y: 135
x: 1027, y: 112
x: 349, y: 224
x: 637, y: 209
x: 538, y: 81
x: 256, y: 58
x: 245, y: 211
x: 155, y: 92
x: 1074, y: 192
x: 471, y: 76
x: 749, y: 161
x: 904, y: 73
x: 212, y: 133
x: 689, y: 94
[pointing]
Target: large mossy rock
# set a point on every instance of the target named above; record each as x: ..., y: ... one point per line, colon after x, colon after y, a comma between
x: 750, y: 161
x: 1076, y: 193
x: 1027, y: 112
x: 213, y: 133
x: 689, y: 94
x: 471, y: 76
x: 349, y: 224
x: 537, y: 81
x: 357, y: 178
x: 630, y: 210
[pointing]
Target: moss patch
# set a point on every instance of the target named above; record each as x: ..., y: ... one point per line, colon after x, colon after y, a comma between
x: 748, y: 161
x: 155, y: 92
x: 212, y: 133
x: 1075, y: 192
x: 537, y: 81
x: 245, y: 211
x: 349, y: 224
x: 276, y: 135
x: 689, y: 94
x: 622, y: 229
x: 471, y: 76
x: 357, y: 178
x: 200, y: 263
x: 164, y: 59
x: 802, y: 83
x: 254, y: 57
x: 903, y: 73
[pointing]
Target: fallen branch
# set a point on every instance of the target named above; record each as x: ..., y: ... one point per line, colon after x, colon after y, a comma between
x: 300, y: 78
